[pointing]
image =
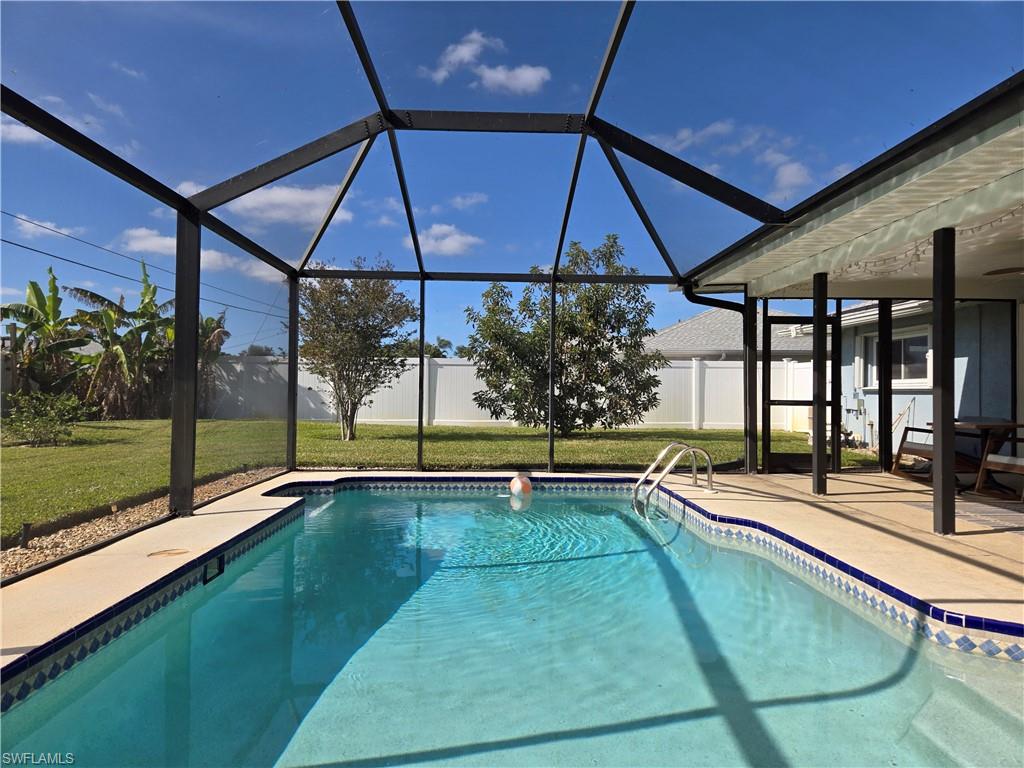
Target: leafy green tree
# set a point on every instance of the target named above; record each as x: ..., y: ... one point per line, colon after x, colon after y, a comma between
x: 605, y: 375
x: 351, y: 334
x: 130, y: 372
x: 438, y: 348
x: 212, y: 335
x: 43, y: 340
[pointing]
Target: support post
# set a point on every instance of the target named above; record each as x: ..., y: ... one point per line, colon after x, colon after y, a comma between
x: 943, y: 335
x: 750, y: 384
x: 883, y: 367
x: 552, y: 314
x: 186, y: 352
x: 419, y: 406
x: 836, y: 392
x: 766, y: 385
x: 819, y: 478
x: 293, y: 370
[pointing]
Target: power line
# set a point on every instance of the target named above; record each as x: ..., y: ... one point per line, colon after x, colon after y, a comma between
x: 135, y: 279
x: 130, y: 258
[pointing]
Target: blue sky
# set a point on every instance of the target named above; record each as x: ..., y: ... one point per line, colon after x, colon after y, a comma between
x: 780, y: 99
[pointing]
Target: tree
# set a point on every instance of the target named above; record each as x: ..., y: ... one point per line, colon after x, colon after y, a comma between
x: 351, y: 332
x: 43, y: 340
x: 605, y: 375
x: 411, y: 348
x: 130, y: 373
x: 257, y: 350
x: 212, y: 335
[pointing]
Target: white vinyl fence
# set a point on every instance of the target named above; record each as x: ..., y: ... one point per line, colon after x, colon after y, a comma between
x: 699, y: 394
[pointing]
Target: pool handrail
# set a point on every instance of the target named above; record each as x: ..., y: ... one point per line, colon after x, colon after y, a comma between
x: 650, y: 469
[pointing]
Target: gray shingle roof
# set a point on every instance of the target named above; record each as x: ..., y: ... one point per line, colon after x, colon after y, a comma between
x: 721, y: 330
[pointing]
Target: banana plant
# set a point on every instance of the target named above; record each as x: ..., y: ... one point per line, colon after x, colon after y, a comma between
x: 43, y: 340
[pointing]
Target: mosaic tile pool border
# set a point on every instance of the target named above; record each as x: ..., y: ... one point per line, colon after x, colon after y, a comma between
x: 45, y: 663
x: 971, y: 634
x: 963, y: 632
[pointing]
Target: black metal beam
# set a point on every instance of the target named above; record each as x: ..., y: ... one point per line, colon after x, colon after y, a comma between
x: 235, y: 237
x: 996, y: 104
x: 38, y: 119
x: 488, y: 277
x: 349, y: 17
x: 293, y: 371
x: 568, y: 204
x: 339, y: 198
x: 943, y: 342
x: 186, y: 354
x: 883, y: 370
x: 625, y: 11
x: 766, y: 386
x: 290, y: 162
x: 422, y: 372
x: 552, y: 340
x: 486, y: 122
x: 835, y: 404
x: 685, y: 173
x: 750, y: 384
x: 406, y: 202
x: 638, y: 206
x: 819, y: 469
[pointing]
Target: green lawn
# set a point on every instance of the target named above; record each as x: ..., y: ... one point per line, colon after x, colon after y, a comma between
x: 112, y: 461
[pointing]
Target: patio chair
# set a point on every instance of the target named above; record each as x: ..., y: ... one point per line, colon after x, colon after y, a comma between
x: 997, y: 462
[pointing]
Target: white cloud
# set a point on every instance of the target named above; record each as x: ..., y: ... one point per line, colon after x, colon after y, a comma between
x: 14, y: 132
x: 771, y: 156
x: 189, y: 188
x: 288, y: 204
x: 160, y: 212
x: 146, y: 240
x: 150, y: 241
x: 107, y: 106
x: 12, y: 292
x: 841, y: 170
x: 469, y: 200
x: 789, y: 178
x: 32, y: 228
x: 384, y: 221
x: 687, y: 137
x: 464, y: 53
x: 526, y: 78
x: 445, y: 240
x: 137, y: 74
x: 89, y: 284
x: 128, y: 150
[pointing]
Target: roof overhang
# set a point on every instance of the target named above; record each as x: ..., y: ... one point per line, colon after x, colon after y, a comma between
x: 871, y: 231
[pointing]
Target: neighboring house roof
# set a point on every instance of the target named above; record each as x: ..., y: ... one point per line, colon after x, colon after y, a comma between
x: 720, y: 331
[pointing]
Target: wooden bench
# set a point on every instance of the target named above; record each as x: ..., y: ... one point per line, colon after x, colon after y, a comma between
x: 961, y: 461
x: 996, y: 462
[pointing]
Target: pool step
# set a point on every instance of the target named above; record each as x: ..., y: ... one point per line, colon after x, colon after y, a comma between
x: 960, y: 725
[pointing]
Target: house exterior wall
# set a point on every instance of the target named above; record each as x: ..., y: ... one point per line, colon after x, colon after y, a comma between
x: 982, y: 370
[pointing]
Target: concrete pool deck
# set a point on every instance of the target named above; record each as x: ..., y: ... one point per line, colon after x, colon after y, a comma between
x: 880, y: 523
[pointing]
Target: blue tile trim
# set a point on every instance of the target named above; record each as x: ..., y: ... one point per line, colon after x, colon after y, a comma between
x: 86, y: 638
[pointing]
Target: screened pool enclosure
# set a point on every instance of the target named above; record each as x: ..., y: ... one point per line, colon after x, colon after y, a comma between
x: 592, y: 141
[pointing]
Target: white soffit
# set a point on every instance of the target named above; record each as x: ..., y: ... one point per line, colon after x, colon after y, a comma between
x: 981, y: 176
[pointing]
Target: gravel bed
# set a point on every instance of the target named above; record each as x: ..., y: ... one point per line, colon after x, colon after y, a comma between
x: 46, y: 548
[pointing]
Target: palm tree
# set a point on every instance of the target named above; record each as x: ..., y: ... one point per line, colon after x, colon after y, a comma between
x: 42, y: 339
x: 212, y: 335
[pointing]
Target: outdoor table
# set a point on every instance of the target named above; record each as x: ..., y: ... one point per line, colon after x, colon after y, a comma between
x: 993, y: 433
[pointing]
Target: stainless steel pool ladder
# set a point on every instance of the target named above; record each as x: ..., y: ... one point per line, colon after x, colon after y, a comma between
x: 686, y: 450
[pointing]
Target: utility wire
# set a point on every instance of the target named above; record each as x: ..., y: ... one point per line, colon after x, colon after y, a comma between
x: 135, y: 279
x: 130, y: 258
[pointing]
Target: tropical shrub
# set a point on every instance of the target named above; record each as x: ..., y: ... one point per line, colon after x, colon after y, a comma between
x: 42, y: 418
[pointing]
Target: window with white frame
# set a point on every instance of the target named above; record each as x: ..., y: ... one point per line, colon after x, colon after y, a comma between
x: 911, y: 358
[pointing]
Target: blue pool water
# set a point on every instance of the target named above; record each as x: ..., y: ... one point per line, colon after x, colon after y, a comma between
x: 418, y: 628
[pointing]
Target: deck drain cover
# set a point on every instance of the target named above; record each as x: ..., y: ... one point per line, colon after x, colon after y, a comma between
x: 168, y: 553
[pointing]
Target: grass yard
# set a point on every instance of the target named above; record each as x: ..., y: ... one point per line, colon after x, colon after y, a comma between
x: 109, y: 462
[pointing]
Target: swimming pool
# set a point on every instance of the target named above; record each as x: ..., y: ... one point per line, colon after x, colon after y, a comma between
x: 410, y: 626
